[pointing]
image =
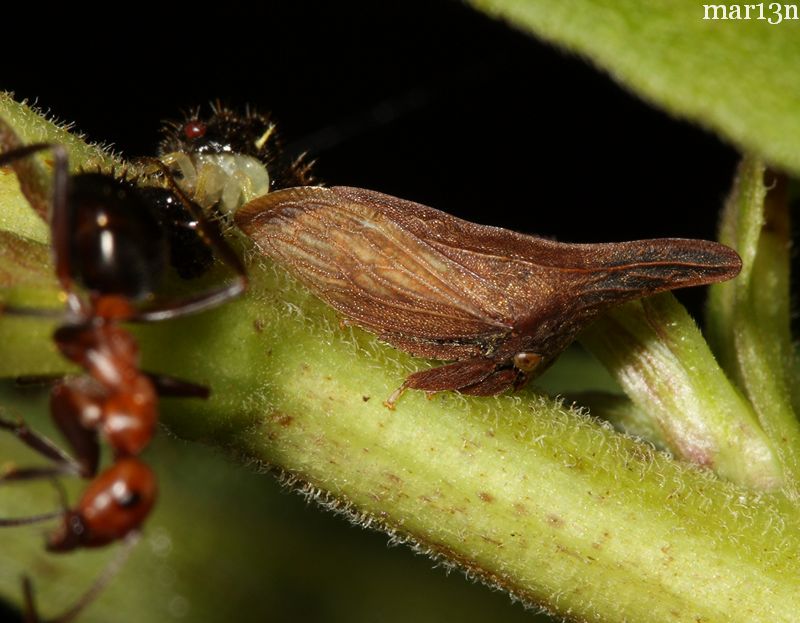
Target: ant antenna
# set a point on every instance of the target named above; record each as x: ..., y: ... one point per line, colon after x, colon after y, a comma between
x: 30, y: 602
x: 108, y: 574
x: 211, y: 234
x: 97, y: 587
x: 32, y: 519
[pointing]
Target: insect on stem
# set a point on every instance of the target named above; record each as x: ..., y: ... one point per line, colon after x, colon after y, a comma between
x: 499, y: 305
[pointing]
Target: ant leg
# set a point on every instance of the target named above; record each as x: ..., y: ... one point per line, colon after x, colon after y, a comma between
x: 36, y: 381
x: 111, y: 570
x: 30, y: 603
x: 172, y: 387
x: 39, y: 312
x: 31, y: 519
x: 70, y: 402
x: 36, y: 441
x: 108, y: 574
x: 33, y: 179
x: 59, y: 217
x: 41, y: 444
x: 207, y: 228
x: 210, y: 232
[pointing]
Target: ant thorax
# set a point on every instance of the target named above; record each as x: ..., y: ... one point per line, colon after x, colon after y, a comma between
x: 225, y: 180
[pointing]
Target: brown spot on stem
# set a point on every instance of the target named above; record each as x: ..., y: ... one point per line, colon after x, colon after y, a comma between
x: 492, y: 541
x: 604, y: 537
x: 486, y: 497
x: 283, y: 420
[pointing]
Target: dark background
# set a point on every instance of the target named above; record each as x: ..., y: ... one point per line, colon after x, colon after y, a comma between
x: 424, y: 99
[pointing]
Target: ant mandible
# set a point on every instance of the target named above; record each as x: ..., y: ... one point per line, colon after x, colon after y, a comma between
x: 109, y: 239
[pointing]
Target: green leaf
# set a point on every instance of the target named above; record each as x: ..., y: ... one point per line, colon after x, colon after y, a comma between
x: 738, y: 78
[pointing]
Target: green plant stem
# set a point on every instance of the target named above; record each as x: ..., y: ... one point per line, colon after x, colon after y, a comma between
x: 517, y: 490
x: 623, y: 414
x: 748, y: 319
x: 659, y: 357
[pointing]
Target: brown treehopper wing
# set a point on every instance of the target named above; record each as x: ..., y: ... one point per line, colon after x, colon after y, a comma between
x: 499, y: 304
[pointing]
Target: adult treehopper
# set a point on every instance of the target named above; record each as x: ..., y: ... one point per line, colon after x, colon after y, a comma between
x: 499, y: 304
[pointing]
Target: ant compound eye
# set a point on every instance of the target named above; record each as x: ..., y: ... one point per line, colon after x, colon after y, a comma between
x: 194, y: 129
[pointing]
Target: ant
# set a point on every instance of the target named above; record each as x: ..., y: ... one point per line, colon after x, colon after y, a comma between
x: 110, y: 243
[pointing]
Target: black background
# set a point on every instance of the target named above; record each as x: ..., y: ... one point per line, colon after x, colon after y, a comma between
x: 479, y: 120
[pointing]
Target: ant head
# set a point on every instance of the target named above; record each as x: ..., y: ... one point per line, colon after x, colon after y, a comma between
x: 114, y: 504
